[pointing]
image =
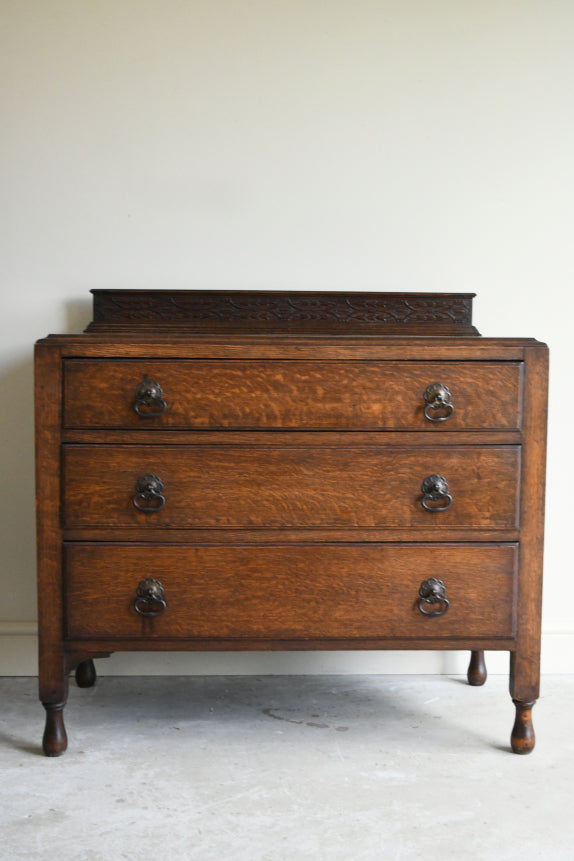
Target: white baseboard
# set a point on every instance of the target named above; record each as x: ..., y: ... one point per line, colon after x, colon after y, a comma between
x: 18, y: 657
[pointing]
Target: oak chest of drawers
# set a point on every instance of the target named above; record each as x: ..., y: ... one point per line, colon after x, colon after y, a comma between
x: 226, y: 471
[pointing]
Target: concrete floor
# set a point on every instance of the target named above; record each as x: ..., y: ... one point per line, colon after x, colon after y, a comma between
x: 276, y: 768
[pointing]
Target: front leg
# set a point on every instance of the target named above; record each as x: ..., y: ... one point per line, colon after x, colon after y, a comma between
x: 523, y: 738
x: 55, y: 740
x: 524, y: 690
x: 53, y: 683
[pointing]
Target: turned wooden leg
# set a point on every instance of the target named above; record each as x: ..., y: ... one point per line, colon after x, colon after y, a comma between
x: 522, y: 739
x: 55, y: 740
x: 86, y: 674
x: 476, y: 674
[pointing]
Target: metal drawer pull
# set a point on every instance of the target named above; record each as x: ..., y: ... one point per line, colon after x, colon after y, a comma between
x: 435, y: 489
x: 150, y: 601
x: 149, y: 490
x: 149, y: 395
x: 433, y: 592
x: 439, y: 407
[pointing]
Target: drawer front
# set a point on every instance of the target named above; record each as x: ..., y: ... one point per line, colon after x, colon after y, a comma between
x: 275, y: 486
x: 307, y: 591
x: 290, y: 394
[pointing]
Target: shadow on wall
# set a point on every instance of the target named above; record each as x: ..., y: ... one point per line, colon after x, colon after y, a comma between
x: 78, y: 314
x: 18, y: 568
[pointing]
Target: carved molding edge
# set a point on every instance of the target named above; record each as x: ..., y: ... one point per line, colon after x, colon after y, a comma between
x: 209, y: 311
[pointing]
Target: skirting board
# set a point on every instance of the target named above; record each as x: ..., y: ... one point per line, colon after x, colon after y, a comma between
x: 19, y: 648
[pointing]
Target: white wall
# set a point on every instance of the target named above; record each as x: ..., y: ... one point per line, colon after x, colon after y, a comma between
x: 290, y: 144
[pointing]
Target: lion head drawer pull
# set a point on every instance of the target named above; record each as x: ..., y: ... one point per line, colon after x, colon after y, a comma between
x: 435, y: 493
x: 149, y: 598
x: 439, y: 406
x: 433, y: 594
x: 149, y: 400
x: 149, y: 494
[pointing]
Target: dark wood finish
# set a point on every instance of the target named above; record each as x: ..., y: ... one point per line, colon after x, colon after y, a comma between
x: 52, y: 677
x: 525, y: 660
x: 276, y: 311
x: 254, y: 644
x: 269, y: 535
x: 291, y: 451
x: 280, y: 394
x: 476, y: 673
x: 221, y: 486
x: 287, y: 438
x: 55, y: 740
x: 156, y: 344
x: 522, y: 739
x: 86, y: 674
x: 286, y: 592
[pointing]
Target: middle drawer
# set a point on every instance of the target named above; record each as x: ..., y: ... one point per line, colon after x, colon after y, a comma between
x: 227, y: 486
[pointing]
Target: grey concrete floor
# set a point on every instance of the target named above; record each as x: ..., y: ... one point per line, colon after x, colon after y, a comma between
x: 282, y: 768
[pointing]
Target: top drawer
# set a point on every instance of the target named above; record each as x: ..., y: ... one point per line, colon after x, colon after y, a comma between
x: 274, y: 394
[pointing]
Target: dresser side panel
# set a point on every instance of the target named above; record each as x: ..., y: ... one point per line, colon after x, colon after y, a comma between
x: 525, y: 661
x: 48, y: 414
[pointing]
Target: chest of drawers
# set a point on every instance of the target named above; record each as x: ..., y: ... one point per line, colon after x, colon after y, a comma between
x: 227, y: 471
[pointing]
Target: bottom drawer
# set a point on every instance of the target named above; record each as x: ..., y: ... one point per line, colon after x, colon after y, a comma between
x: 289, y: 591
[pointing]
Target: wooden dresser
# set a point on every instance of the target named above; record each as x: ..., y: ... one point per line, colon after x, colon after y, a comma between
x: 264, y: 470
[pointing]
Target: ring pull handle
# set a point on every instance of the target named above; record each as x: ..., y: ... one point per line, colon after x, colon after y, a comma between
x: 149, y: 491
x: 435, y: 493
x: 433, y: 594
x: 149, y: 400
x: 439, y: 406
x: 149, y: 598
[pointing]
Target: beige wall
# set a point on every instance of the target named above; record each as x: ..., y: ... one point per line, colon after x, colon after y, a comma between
x: 302, y: 144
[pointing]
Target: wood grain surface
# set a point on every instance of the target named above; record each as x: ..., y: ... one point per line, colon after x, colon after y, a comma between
x: 308, y: 591
x: 274, y: 486
x: 294, y: 394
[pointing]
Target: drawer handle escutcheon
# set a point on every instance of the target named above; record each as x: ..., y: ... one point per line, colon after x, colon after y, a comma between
x: 150, y: 601
x: 149, y: 490
x: 149, y: 395
x: 432, y: 592
x: 438, y: 407
x: 435, y: 489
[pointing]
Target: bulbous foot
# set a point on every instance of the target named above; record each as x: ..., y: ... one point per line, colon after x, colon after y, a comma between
x: 55, y: 740
x: 523, y: 739
x: 476, y: 674
x: 86, y: 674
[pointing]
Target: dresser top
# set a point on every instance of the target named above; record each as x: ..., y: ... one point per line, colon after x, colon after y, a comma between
x: 237, y: 312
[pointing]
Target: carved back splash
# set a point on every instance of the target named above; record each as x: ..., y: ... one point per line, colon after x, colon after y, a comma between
x: 274, y: 312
